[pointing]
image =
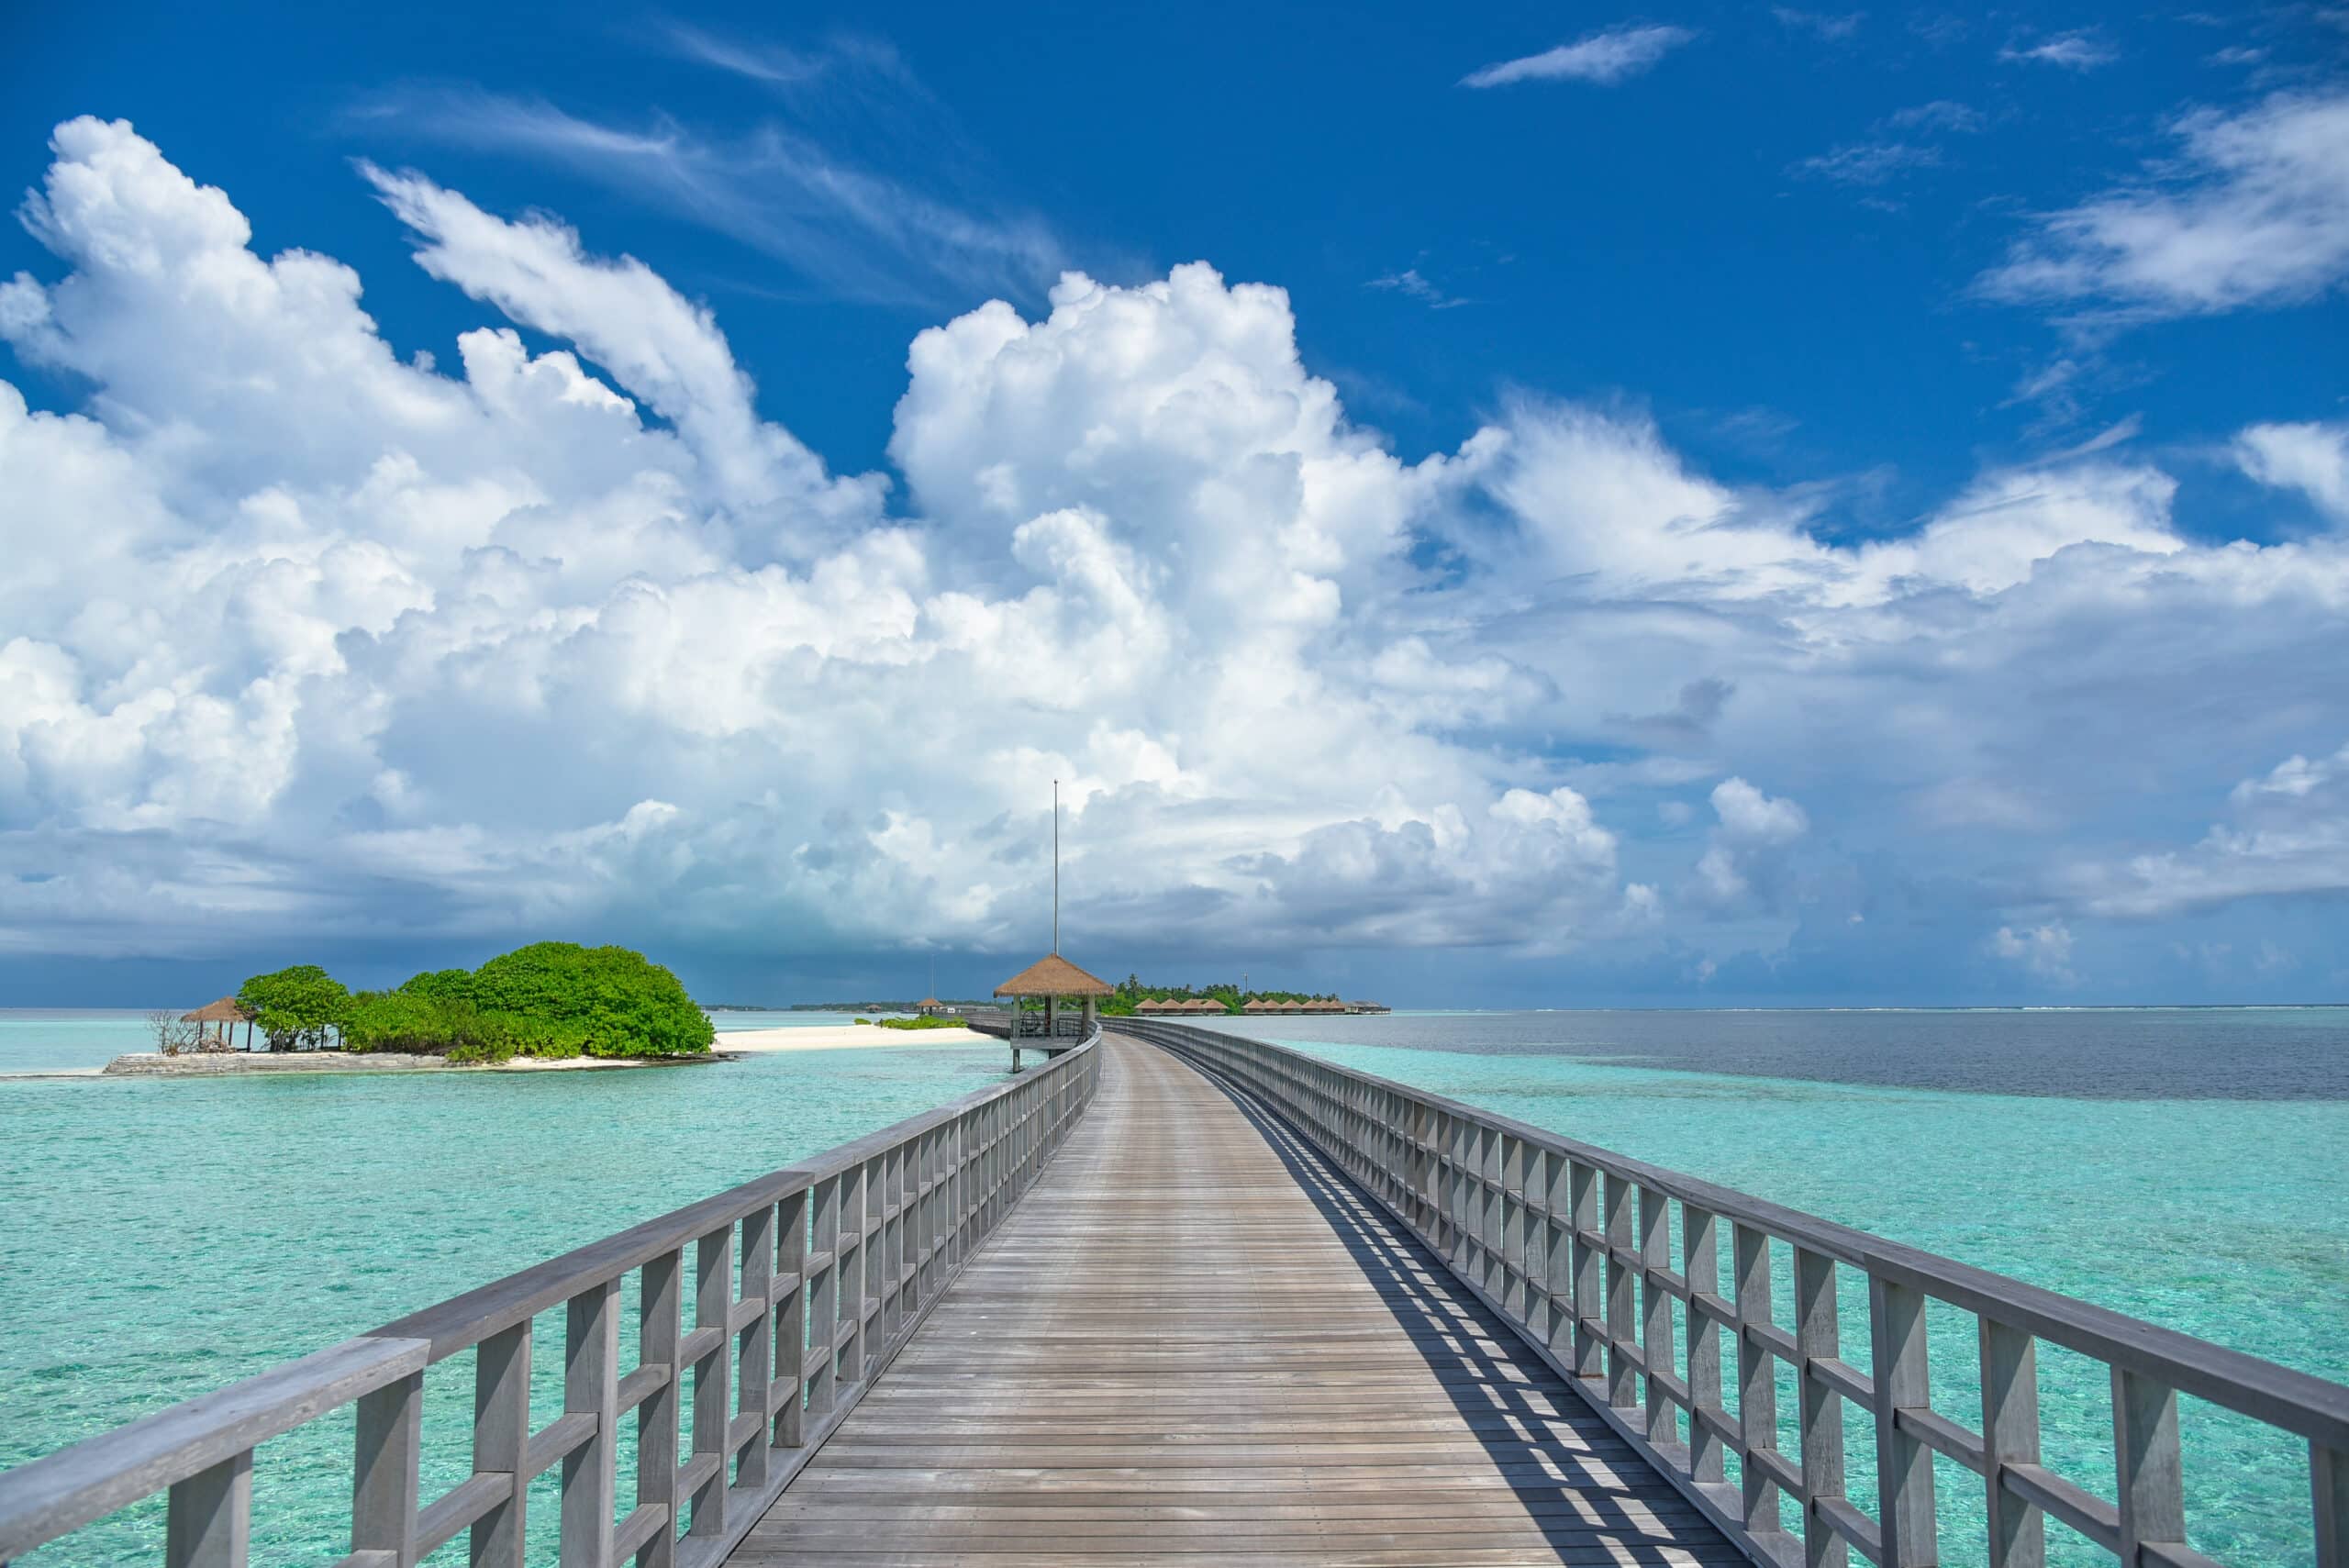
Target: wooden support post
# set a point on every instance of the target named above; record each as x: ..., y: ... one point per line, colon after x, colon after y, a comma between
x: 1700, y: 1265
x: 591, y: 1388
x: 1821, y: 1405
x: 384, y: 1478
x: 1655, y: 1314
x: 2329, y: 1485
x: 713, y: 1411
x: 824, y: 1295
x: 501, y: 1436
x: 1757, y: 1380
x: 2010, y: 1436
x: 857, y: 1270
x: 658, y: 1329
x: 790, y: 1324
x: 754, y: 1343
x: 1904, y: 1466
x: 1589, y: 1349
x: 207, y: 1521
x: 1623, y: 1377
x: 2151, y: 1481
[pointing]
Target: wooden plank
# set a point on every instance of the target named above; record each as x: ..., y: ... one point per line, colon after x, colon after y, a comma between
x: 1195, y: 1340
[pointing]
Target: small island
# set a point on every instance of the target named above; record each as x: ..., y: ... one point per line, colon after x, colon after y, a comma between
x: 547, y: 1004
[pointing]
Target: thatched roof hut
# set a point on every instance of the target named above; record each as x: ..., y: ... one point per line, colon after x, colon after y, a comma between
x: 1056, y: 980
x: 223, y: 1016
x: 1053, y: 975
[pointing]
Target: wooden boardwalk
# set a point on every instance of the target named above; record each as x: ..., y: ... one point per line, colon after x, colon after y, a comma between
x: 1193, y: 1342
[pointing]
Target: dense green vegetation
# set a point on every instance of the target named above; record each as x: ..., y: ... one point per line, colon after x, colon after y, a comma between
x: 549, y: 1000
x: 295, y: 1009
x: 1131, y: 993
x: 917, y: 1023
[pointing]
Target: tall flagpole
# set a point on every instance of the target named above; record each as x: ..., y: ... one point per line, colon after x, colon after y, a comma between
x: 1056, y: 865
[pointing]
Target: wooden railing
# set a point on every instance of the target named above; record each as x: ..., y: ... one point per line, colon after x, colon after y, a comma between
x: 1573, y: 1246
x: 805, y: 1283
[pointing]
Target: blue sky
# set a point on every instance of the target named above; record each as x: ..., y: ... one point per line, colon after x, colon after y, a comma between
x: 1733, y: 505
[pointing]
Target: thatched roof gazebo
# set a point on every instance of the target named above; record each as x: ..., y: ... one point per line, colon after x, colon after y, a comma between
x: 224, y: 1015
x: 1053, y: 980
x: 930, y: 1007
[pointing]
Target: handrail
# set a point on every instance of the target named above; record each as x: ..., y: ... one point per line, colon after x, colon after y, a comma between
x: 813, y: 1277
x: 1556, y: 1236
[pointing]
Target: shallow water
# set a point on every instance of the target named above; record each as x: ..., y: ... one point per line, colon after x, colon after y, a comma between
x: 2202, y: 1186
x: 159, y: 1239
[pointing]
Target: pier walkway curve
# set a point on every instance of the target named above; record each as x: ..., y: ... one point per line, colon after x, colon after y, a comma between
x: 1194, y: 1342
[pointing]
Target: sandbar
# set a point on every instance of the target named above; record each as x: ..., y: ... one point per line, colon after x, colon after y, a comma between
x: 840, y: 1037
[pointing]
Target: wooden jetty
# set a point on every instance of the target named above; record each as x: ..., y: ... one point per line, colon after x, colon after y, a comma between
x: 1177, y: 1295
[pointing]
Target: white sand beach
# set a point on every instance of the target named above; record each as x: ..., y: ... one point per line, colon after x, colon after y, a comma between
x: 837, y: 1037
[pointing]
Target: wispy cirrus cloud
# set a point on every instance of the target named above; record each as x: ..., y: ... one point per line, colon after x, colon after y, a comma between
x: 1831, y: 27
x: 1603, y: 58
x: 1869, y: 162
x: 1942, y: 114
x: 851, y: 231
x: 2083, y: 49
x: 2253, y: 211
x: 1411, y: 285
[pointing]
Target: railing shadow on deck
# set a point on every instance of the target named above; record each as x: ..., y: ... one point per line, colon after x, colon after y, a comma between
x: 1573, y: 1247
x: 804, y: 1283
x: 1464, y: 1344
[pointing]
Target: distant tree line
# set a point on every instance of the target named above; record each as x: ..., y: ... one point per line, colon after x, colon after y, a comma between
x: 549, y: 1000
x: 1131, y: 993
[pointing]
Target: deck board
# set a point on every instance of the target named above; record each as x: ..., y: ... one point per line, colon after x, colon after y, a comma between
x: 1192, y: 1342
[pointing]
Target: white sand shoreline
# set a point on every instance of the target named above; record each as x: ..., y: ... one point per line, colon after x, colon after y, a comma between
x: 841, y: 1037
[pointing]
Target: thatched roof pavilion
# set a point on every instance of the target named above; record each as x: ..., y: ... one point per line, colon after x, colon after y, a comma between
x: 930, y: 1007
x: 1055, y: 979
x: 224, y: 1015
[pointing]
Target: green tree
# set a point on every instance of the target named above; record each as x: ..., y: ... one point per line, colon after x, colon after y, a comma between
x: 441, y: 985
x: 296, y: 1007
x: 612, y: 1001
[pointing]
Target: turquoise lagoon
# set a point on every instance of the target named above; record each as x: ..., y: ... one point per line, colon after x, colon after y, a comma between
x: 158, y: 1239
x: 2224, y: 1213
x: 161, y: 1239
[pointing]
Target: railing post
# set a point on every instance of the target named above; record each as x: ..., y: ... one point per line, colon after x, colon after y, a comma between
x: 591, y: 1388
x: 208, y: 1519
x: 2152, y: 1482
x: 1700, y: 1265
x: 2329, y: 1486
x: 791, y: 1326
x: 1589, y: 1359
x: 755, y: 1348
x: 1823, y: 1407
x: 658, y: 1329
x: 1904, y: 1466
x: 1757, y: 1381
x: 825, y: 1294
x: 501, y: 1436
x: 855, y: 1273
x: 383, y: 1493
x: 713, y: 1409
x: 2010, y: 1436
x: 1623, y: 1377
x: 1559, y: 1256
x: 1655, y: 1313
